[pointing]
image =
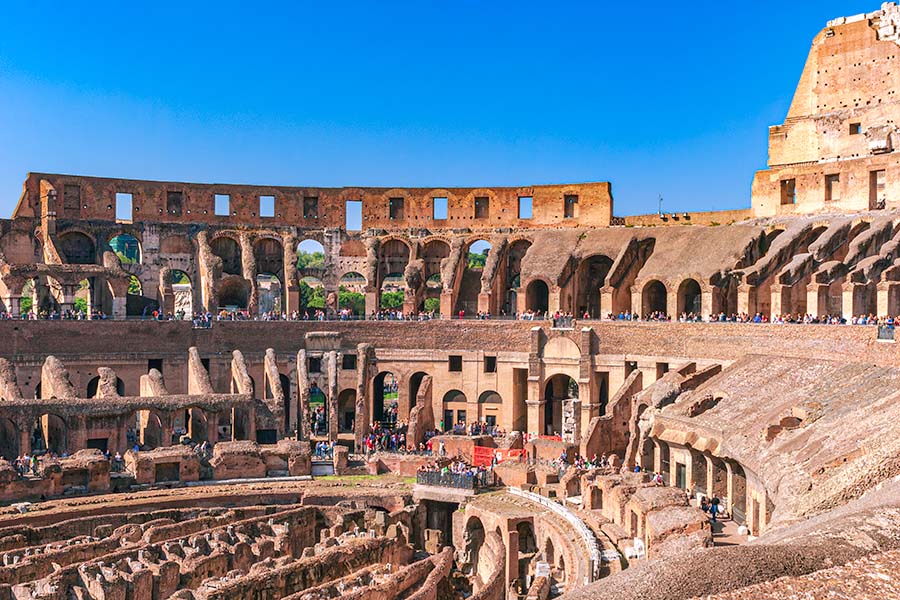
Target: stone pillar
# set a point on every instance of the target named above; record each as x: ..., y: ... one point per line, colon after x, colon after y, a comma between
x: 364, y: 354
x: 887, y: 293
x: 746, y: 299
x: 372, y: 302
x: 706, y: 303
x: 303, y: 394
x: 248, y: 271
x: 212, y: 427
x: 535, y: 407
x: 729, y: 487
x: 606, y: 302
x: 672, y: 303
x: 781, y: 293
x: 512, y: 557
x: 571, y: 416
x: 637, y: 302
x: 331, y: 360
x: 68, y: 302
x: 817, y: 299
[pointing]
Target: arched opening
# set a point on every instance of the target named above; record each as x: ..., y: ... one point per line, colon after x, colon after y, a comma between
x: 347, y: 411
x: 386, y: 392
x: 491, y: 410
x: 470, y: 285
x: 183, y: 292
x: 549, y: 552
x: 136, y: 304
x: 197, y: 424
x: 454, y: 407
x: 229, y: 250
x: 269, y: 256
x: 527, y: 539
x: 352, y: 294
x: 393, y: 291
x: 127, y: 249
x: 689, y: 297
x: 233, y: 294
x: 77, y: 248
x: 433, y: 253
x: 415, y: 382
x: 269, y: 290
x: 51, y: 434
x: 310, y: 255
x: 9, y: 439
x: 94, y: 384
x: 514, y: 255
x: 149, y: 430
x: 240, y: 423
x: 472, y: 543
x: 537, y: 296
x: 84, y: 297
x: 558, y: 389
x: 653, y: 298
x: 318, y: 411
x: 592, y: 274
x: 392, y: 260
x: 312, y: 295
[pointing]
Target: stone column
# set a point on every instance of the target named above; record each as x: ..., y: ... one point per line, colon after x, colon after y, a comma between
x: 887, y: 292
x: 746, y: 299
x: 535, y: 406
x: 512, y: 557
x: 331, y: 360
x: 364, y: 354
x: 303, y: 394
x: 817, y: 299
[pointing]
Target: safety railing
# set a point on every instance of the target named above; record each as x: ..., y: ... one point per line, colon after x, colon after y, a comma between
x: 459, y: 481
x: 587, y: 536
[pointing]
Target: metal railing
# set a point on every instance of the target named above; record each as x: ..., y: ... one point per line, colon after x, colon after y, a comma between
x: 459, y: 481
x: 587, y: 536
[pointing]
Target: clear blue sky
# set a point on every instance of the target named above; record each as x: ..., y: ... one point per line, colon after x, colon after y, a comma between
x: 671, y: 98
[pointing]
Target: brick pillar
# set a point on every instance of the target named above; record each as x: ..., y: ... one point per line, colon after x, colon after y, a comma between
x: 887, y: 293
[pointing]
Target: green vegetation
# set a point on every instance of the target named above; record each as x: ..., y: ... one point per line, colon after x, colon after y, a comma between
x: 26, y: 305
x: 477, y: 260
x: 313, y: 260
x: 134, y: 286
x: 312, y: 297
x: 355, y: 301
x: 392, y: 299
x: 179, y: 277
x: 433, y: 305
x: 81, y: 305
x: 127, y: 248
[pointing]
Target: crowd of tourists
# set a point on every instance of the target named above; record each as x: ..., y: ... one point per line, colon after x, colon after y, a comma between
x: 778, y: 319
x: 447, y: 471
x: 324, y: 450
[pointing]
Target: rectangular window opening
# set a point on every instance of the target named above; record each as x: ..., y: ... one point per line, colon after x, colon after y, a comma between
x: 311, y: 207
x: 348, y: 362
x: 439, y: 206
x: 455, y: 363
x: 490, y: 364
x: 855, y: 128
x: 832, y: 188
x: 482, y: 208
x: 877, y: 197
x: 222, y: 206
x: 267, y: 206
x: 124, y: 203
x: 569, y: 205
x: 525, y: 207
x: 315, y: 364
x: 173, y: 203
x: 353, y: 215
x: 789, y: 191
x: 397, y: 209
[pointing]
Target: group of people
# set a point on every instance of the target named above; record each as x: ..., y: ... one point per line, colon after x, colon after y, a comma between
x: 477, y: 428
x: 395, y: 314
x: 447, y: 471
x: 743, y: 317
x: 25, y: 464
x: 325, y: 450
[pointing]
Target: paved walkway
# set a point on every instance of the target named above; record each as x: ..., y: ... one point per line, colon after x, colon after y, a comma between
x: 725, y: 533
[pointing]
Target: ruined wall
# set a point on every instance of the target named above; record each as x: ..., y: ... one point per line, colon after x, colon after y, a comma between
x: 841, y: 124
x: 175, y: 202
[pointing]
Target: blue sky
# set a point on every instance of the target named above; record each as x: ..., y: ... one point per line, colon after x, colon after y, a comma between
x: 662, y: 98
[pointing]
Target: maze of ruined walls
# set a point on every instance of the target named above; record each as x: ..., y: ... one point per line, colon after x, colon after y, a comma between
x: 315, y: 551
